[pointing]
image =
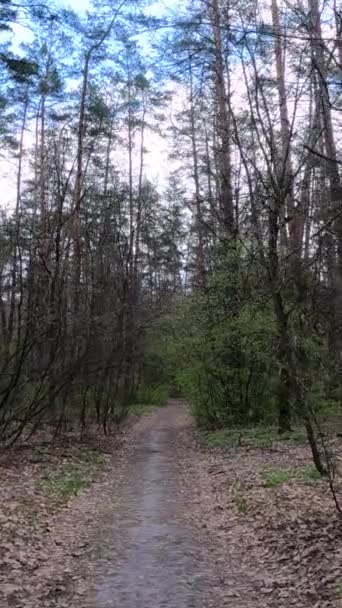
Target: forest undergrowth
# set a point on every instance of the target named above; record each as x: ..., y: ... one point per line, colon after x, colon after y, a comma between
x: 270, y: 510
x: 269, y: 517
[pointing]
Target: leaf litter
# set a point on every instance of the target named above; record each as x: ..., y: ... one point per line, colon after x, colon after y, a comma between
x: 270, y: 545
x: 48, y: 503
x: 278, y: 544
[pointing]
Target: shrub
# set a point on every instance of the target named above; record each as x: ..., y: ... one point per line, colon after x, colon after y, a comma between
x: 224, y: 353
x: 152, y: 395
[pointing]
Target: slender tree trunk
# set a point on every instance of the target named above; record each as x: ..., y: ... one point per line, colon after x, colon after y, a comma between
x: 285, y: 170
x: 78, y: 195
x: 198, y: 199
x: 324, y: 105
x: 223, y: 124
x: 17, y: 221
x: 140, y: 194
x: 338, y: 27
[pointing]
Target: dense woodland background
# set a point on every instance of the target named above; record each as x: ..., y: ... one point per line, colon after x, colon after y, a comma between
x: 222, y: 283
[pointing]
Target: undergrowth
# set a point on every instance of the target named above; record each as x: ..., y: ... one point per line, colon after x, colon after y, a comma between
x: 277, y: 477
x: 74, y: 474
x: 148, y: 398
x: 142, y: 409
x: 258, y: 437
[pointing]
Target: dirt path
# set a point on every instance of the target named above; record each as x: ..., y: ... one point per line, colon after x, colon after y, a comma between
x: 139, y: 537
x: 171, y: 524
x: 149, y: 555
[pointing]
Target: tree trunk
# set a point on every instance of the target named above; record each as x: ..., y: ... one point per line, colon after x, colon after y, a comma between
x: 223, y: 124
x: 201, y: 278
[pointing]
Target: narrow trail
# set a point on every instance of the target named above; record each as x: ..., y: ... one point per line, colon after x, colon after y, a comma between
x: 171, y: 524
x: 150, y: 556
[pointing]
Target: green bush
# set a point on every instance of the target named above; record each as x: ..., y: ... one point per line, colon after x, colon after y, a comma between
x: 152, y: 395
x: 224, y: 353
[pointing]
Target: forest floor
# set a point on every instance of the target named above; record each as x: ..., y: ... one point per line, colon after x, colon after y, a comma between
x: 164, y: 517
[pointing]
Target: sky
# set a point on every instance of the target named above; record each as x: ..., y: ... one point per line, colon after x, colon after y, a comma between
x: 156, y: 8
x: 157, y: 162
x: 76, y: 5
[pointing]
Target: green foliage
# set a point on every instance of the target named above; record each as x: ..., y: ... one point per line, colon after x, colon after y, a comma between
x: 258, y: 437
x: 255, y: 437
x: 223, y: 350
x: 74, y: 475
x: 276, y: 477
x: 63, y: 485
x: 310, y: 475
x: 222, y: 439
x: 152, y: 395
x: 156, y: 376
x: 90, y: 456
x: 297, y: 436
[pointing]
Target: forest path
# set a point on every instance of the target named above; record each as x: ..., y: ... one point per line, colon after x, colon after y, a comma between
x: 168, y: 523
x: 149, y: 554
